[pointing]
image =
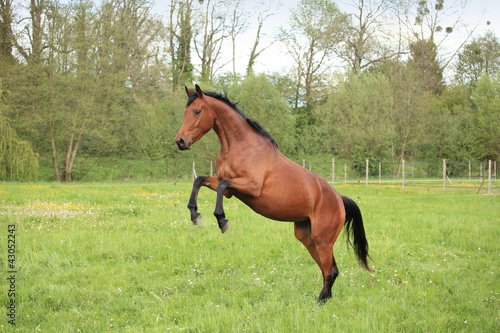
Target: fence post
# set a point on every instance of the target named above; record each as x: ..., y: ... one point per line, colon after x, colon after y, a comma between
x: 211, y: 169
x: 489, y: 177
x: 412, y: 175
x: 403, y: 175
x: 367, y: 165
x: 309, y: 166
x: 194, y: 171
x: 345, y: 173
x: 380, y: 173
x: 333, y: 171
x: 470, y: 173
x: 304, y: 163
x: 444, y: 175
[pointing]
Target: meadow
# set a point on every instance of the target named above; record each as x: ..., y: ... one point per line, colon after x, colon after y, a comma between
x: 124, y: 257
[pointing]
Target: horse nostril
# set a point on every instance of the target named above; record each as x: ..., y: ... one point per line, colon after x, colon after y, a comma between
x: 181, y: 144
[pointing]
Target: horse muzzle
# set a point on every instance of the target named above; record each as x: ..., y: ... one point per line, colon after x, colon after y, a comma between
x: 183, y: 143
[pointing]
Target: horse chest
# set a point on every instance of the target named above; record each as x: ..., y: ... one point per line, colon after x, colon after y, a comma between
x: 224, y: 171
x: 224, y: 166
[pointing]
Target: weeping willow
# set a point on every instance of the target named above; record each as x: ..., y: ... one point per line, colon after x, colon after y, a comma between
x: 18, y: 161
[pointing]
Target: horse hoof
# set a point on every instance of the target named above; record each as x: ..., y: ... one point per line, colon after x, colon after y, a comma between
x: 225, y: 227
x: 197, y: 220
x: 324, y: 297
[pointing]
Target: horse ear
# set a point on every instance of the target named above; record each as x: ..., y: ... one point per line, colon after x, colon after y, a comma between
x: 188, y: 92
x: 199, y: 91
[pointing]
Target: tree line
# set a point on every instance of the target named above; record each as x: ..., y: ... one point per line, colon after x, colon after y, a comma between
x: 81, y: 82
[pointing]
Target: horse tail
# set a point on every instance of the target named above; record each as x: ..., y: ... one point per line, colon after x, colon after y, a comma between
x: 354, y: 227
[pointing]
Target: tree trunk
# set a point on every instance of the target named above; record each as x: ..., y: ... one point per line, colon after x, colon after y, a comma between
x: 36, y: 10
x: 5, y: 31
x: 403, y: 149
x: 54, y: 153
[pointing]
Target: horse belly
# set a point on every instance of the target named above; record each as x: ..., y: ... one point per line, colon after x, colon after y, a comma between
x: 282, y: 200
x: 276, y: 210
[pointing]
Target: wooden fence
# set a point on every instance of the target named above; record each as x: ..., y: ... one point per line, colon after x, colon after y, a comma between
x: 480, y: 176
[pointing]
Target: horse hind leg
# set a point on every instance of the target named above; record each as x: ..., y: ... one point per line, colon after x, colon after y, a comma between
x: 330, y: 271
x: 303, y: 234
x: 324, y: 234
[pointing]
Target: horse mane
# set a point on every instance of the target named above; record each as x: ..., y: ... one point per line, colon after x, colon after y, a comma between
x: 256, y: 126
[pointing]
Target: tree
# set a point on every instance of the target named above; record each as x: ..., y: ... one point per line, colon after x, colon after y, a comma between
x: 365, y: 43
x: 31, y: 42
x: 264, y: 14
x: 315, y: 27
x: 412, y: 102
x: 423, y: 60
x: 469, y: 68
x: 172, y: 117
x: 238, y: 24
x: 133, y: 71
x: 451, y: 133
x: 27, y: 81
x: 180, y: 38
x: 355, y: 119
x: 18, y: 161
x: 262, y: 101
x: 213, y: 30
x: 425, y: 22
x: 481, y: 55
x: 486, y: 99
x: 6, y: 44
x: 97, y: 68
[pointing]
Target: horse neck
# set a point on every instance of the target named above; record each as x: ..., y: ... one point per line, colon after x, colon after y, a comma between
x: 229, y: 126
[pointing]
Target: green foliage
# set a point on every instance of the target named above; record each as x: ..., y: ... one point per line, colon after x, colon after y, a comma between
x: 425, y: 63
x: 481, y: 56
x: 181, y: 58
x: 354, y: 122
x: 486, y: 99
x: 470, y: 64
x: 451, y: 132
x: 316, y: 27
x: 262, y: 101
x: 18, y: 161
x: 91, y: 82
x: 205, y: 150
x: 412, y: 103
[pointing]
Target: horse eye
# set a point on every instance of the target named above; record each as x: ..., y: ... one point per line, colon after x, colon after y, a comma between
x: 197, y: 112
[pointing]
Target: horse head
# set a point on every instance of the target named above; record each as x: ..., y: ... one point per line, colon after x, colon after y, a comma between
x: 198, y: 119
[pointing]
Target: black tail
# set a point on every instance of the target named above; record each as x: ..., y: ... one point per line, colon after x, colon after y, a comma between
x: 354, y: 226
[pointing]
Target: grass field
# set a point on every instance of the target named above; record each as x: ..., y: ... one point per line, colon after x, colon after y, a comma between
x: 124, y: 257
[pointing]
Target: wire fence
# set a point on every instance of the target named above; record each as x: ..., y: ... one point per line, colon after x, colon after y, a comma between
x: 477, y: 176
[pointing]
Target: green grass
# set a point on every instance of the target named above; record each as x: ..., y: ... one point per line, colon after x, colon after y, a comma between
x: 124, y: 257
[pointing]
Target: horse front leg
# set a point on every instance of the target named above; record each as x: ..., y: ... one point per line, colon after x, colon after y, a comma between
x: 242, y: 185
x: 219, y: 209
x: 210, y: 182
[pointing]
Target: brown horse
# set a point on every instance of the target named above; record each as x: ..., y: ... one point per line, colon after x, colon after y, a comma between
x: 250, y: 167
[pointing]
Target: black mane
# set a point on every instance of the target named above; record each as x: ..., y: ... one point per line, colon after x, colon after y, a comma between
x: 257, y: 127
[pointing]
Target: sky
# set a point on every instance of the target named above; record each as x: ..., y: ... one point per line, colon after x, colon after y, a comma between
x: 273, y: 59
